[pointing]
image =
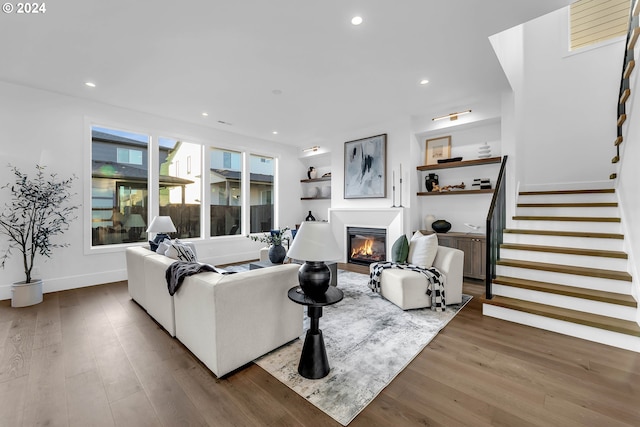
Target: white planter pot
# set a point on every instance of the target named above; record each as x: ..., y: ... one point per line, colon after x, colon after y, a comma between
x: 26, y: 294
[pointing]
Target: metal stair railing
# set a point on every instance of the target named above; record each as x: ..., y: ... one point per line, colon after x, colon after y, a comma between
x: 496, y: 222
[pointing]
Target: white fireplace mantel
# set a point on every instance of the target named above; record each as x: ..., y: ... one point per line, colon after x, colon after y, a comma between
x: 391, y: 219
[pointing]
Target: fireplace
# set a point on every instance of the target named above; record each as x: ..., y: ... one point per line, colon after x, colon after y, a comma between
x: 366, y: 245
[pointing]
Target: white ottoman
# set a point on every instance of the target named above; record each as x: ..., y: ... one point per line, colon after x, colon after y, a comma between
x: 406, y: 289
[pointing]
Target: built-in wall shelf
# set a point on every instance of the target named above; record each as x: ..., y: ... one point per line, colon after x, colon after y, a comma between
x: 315, y: 198
x: 460, y: 164
x: 325, y: 178
x: 452, y: 192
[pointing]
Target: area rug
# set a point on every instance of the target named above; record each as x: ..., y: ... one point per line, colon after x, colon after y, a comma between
x: 369, y: 342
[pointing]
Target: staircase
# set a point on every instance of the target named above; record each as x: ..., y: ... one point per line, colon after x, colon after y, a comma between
x: 562, y: 268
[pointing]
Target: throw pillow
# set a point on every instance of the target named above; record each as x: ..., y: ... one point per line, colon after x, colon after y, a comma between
x: 163, y: 246
x: 423, y: 249
x: 400, y: 250
x: 181, y: 252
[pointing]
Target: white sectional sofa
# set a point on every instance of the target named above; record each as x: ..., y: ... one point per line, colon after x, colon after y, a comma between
x: 225, y: 320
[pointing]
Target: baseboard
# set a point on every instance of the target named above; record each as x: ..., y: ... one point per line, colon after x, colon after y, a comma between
x: 72, y: 282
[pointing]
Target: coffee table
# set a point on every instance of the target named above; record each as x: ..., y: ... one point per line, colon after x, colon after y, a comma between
x: 333, y: 266
x: 314, y: 363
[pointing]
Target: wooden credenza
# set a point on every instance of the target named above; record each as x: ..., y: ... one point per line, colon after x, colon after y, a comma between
x: 474, y: 247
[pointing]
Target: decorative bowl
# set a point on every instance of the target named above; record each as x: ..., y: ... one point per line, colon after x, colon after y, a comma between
x: 441, y: 226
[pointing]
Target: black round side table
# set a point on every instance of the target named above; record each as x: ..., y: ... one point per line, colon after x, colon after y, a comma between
x: 314, y: 363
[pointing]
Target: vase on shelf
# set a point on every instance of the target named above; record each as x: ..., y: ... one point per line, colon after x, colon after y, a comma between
x: 310, y: 217
x: 430, y: 181
x: 277, y: 254
x: 312, y: 173
x: 428, y: 220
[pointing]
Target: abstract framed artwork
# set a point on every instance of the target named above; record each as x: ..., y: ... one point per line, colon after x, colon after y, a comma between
x: 438, y: 149
x: 365, y: 168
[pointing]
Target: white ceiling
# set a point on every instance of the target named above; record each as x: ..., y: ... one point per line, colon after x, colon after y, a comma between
x: 179, y: 58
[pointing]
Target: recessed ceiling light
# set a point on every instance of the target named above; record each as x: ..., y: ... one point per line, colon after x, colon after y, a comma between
x: 205, y: 114
x: 424, y: 81
x: 275, y: 132
x: 90, y: 84
x: 356, y: 20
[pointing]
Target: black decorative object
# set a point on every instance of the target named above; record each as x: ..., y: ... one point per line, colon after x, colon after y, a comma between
x: 310, y: 217
x: 277, y: 254
x: 453, y: 159
x: 430, y: 180
x: 311, y: 173
x: 441, y: 226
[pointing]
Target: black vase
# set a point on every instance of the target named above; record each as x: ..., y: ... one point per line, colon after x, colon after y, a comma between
x: 430, y: 181
x: 310, y: 217
x: 277, y: 254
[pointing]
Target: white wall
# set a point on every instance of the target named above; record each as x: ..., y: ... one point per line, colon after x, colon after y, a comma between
x: 399, y: 143
x: 38, y: 127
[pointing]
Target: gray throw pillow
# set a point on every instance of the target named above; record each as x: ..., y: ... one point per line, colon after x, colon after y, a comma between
x: 400, y: 250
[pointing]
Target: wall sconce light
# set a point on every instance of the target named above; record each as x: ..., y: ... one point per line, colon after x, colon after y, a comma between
x: 452, y: 116
x: 314, y: 148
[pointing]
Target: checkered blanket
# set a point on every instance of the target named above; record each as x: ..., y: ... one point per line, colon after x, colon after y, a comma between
x: 435, y: 281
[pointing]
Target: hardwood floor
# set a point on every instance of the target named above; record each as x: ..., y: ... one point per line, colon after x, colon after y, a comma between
x: 92, y: 356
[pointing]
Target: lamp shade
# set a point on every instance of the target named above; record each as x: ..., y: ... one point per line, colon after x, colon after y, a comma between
x: 161, y: 224
x: 135, y: 220
x: 314, y: 242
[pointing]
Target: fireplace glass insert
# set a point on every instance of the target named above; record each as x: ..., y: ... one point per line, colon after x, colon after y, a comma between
x: 366, y: 245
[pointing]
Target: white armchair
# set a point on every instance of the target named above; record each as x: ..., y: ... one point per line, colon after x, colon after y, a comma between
x: 407, y: 289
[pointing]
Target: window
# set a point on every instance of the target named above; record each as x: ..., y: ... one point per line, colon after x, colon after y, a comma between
x: 118, y: 186
x: 260, y: 189
x: 226, y: 196
x: 180, y: 188
x: 127, y: 155
x: 119, y: 191
x: 594, y: 21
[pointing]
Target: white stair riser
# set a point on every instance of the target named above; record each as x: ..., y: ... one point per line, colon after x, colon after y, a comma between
x: 563, y: 241
x: 601, y: 212
x: 602, y: 336
x: 605, y: 263
x: 585, y: 226
x: 571, y: 303
x: 598, y: 283
x: 569, y: 198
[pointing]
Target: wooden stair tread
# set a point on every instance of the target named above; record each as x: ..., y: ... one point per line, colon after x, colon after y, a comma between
x: 566, y: 269
x: 587, y: 234
x: 566, y: 218
x: 624, y: 96
x: 571, y: 291
x: 565, y: 250
x: 569, y: 205
x: 547, y: 192
x: 587, y: 319
x: 621, y: 119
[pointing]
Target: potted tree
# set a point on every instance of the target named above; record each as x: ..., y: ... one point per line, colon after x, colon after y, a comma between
x: 38, y: 209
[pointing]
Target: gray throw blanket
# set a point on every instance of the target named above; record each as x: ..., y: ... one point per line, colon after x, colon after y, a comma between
x: 177, y: 271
